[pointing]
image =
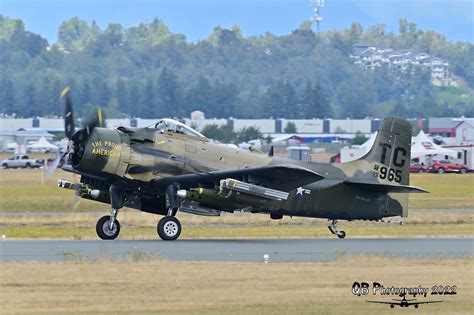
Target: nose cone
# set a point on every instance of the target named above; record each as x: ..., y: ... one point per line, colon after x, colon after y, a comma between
x: 101, y: 152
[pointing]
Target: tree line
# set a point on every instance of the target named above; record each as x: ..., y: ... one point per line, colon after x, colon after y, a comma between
x: 147, y: 71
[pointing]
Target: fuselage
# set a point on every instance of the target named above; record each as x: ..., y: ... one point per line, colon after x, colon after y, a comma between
x: 148, y: 155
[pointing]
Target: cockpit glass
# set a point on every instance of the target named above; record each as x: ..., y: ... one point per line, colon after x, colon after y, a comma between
x: 174, y: 126
x: 160, y: 126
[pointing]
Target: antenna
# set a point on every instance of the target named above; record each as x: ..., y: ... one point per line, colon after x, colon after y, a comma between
x: 317, y: 5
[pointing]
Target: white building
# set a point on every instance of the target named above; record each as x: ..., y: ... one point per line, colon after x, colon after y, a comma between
x: 350, y: 125
x: 305, y: 125
x: 465, y: 133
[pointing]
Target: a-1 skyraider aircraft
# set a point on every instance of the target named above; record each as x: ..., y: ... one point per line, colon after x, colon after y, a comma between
x: 403, y: 302
x: 168, y: 167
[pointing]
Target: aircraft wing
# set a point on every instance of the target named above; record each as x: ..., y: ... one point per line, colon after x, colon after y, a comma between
x: 281, y: 177
x: 427, y: 302
x: 381, y: 302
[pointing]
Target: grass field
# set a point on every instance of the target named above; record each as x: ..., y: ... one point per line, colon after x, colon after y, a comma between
x: 144, y: 285
x: 159, y: 287
x: 23, y: 191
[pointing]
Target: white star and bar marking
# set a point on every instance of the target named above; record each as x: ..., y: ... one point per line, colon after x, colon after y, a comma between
x: 301, y: 191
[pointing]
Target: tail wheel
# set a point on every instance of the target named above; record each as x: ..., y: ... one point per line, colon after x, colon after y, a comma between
x: 103, y: 228
x: 341, y: 234
x: 169, y: 228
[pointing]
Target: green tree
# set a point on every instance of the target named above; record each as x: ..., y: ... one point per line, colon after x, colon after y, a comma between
x: 281, y: 101
x: 168, y: 94
x: 200, y: 97
x: 314, y: 103
x: 248, y: 133
x: 224, y: 100
x: 290, y: 128
x: 125, y: 104
x: 7, y: 96
x: 359, y: 139
x: 76, y: 34
x: 220, y: 133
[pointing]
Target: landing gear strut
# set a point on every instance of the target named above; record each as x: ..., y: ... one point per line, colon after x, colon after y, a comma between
x: 108, y: 227
x: 169, y: 227
x: 333, y: 228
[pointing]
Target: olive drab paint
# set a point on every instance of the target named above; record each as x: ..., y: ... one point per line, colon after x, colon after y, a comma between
x: 145, y: 162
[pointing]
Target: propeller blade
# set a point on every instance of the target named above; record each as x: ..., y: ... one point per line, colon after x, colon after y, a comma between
x: 53, y: 167
x: 69, y: 127
x: 94, y: 121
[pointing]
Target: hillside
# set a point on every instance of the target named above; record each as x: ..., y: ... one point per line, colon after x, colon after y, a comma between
x: 148, y: 71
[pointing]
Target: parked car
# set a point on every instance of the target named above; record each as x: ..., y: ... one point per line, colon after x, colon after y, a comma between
x: 417, y: 168
x: 23, y: 161
x: 444, y: 166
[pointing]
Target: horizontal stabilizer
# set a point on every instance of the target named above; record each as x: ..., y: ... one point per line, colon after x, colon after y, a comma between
x: 386, y: 188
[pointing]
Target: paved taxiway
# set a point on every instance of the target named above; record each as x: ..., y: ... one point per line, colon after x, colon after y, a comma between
x: 235, y: 250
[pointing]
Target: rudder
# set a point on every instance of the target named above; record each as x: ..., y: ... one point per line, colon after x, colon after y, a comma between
x: 389, y: 157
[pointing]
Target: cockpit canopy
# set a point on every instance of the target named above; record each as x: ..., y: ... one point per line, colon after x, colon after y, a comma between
x: 171, y: 125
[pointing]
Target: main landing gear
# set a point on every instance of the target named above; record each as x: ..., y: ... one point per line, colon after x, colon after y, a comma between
x: 108, y: 227
x: 169, y: 227
x: 333, y: 228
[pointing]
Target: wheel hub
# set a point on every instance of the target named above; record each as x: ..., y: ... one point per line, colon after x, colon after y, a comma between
x: 107, y: 230
x: 170, y: 228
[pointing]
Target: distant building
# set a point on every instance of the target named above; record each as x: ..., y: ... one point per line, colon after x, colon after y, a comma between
x: 23, y: 136
x: 465, y: 133
x: 448, y: 126
x: 401, y: 61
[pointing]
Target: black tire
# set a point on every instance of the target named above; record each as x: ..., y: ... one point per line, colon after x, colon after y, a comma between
x: 168, y: 228
x: 462, y: 171
x: 28, y: 165
x: 441, y: 170
x: 341, y: 234
x: 5, y: 165
x: 103, y: 231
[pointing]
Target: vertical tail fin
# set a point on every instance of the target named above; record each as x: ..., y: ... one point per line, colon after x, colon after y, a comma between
x: 389, y: 157
x: 387, y: 162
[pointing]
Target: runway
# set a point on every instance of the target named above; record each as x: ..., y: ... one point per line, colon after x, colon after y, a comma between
x: 243, y: 250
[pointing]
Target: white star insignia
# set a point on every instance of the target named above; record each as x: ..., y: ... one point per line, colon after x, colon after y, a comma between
x: 300, y: 191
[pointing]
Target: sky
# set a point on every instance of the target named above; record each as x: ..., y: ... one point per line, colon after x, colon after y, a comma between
x: 197, y: 18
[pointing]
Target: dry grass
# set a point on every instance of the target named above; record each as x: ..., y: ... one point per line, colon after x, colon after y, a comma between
x: 22, y: 191
x: 216, y: 288
x: 138, y: 225
x: 447, y: 191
